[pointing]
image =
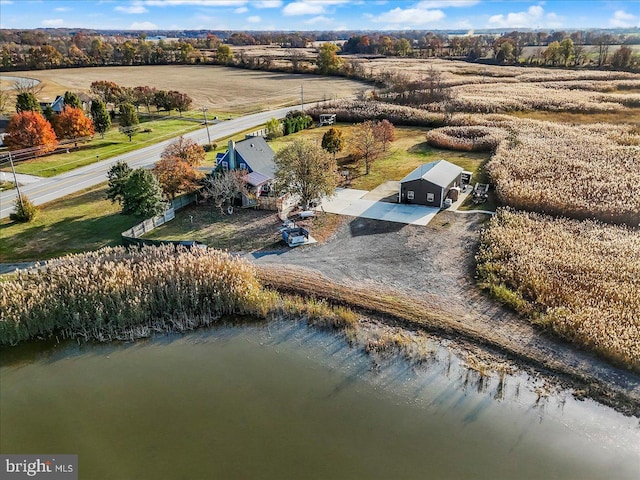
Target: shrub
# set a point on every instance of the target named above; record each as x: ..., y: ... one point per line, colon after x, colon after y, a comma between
x: 470, y: 139
x: 26, y: 211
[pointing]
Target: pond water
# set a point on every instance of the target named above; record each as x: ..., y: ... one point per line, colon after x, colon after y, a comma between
x: 283, y: 400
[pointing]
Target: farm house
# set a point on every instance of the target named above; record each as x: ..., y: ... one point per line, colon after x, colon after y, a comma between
x: 431, y: 184
x: 254, y: 156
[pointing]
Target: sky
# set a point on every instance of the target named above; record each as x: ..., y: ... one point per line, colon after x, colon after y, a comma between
x: 319, y: 14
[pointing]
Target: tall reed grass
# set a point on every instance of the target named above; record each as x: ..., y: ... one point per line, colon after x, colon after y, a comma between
x: 469, y: 139
x: 122, y: 294
x: 579, y: 278
x: 574, y: 171
x: 116, y: 292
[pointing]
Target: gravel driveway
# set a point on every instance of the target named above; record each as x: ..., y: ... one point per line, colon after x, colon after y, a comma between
x: 437, y: 261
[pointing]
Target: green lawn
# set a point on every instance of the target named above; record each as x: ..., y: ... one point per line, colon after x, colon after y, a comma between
x: 83, y: 221
x: 408, y: 151
x: 113, y: 143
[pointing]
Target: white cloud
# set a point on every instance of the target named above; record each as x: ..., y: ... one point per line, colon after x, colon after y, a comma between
x: 409, y: 17
x: 431, y: 4
x: 53, y: 22
x: 268, y: 4
x: 254, y: 19
x: 532, y: 18
x: 318, y: 19
x: 62, y: 9
x: 143, y: 26
x: 134, y: 8
x: 622, y: 19
x: 303, y: 8
x: 241, y: 10
x: 6, y: 2
x: 310, y: 7
x: 200, y: 3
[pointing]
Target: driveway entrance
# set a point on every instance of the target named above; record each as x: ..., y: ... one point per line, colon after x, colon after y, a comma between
x: 348, y: 201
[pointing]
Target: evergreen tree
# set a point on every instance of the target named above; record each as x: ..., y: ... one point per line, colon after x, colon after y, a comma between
x: 143, y: 195
x: 118, y: 175
x: 100, y: 116
x: 27, y: 102
x: 128, y: 120
x: 72, y: 100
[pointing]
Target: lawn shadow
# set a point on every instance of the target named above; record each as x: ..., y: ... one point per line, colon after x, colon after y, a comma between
x: 422, y: 148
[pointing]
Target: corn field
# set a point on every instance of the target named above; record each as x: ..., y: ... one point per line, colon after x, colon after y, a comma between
x: 579, y: 278
x: 573, y: 171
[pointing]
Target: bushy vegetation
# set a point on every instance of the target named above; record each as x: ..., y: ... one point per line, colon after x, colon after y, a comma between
x: 117, y: 293
x: 296, y: 121
x: 469, y: 139
x: 579, y: 278
x: 26, y: 210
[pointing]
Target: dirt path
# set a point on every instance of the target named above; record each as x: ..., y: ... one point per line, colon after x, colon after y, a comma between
x: 433, y: 267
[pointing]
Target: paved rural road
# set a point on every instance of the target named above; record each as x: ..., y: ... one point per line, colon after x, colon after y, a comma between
x: 49, y: 189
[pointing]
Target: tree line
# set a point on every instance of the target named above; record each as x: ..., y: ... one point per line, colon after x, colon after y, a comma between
x: 39, y: 131
x: 36, y: 49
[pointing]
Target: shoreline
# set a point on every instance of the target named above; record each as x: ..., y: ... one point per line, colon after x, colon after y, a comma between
x: 610, y: 385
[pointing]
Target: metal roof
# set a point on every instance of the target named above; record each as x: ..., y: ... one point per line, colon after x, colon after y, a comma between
x: 255, y: 179
x: 258, y: 155
x: 440, y: 173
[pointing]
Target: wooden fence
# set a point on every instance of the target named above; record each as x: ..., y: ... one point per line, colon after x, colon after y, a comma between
x: 132, y: 236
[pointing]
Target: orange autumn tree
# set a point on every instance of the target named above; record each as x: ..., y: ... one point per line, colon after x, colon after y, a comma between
x: 73, y: 124
x: 176, y: 171
x: 30, y: 130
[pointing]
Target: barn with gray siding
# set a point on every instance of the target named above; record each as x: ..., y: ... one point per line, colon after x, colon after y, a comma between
x: 430, y: 183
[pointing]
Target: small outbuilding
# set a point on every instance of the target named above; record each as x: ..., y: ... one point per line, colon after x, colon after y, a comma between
x: 430, y: 184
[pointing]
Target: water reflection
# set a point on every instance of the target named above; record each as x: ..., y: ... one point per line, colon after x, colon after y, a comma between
x: 283, y: 400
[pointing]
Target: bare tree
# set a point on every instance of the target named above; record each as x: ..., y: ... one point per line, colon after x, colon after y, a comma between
x: 223, y: 188
x: 28, y: 85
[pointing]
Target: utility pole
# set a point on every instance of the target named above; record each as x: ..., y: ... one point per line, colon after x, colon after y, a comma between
x: 302, y: 97
x: 15, y: 179
x: 206, y: 122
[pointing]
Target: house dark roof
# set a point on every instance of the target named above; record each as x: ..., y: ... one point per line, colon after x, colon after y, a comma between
x: 258, y: 155
x: 440, y: 173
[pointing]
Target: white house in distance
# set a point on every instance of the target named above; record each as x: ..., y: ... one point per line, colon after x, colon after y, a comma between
x: 431, y: 183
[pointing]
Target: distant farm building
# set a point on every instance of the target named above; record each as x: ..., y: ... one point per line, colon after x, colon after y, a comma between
x: 431, y: 184
x: 327, y: 119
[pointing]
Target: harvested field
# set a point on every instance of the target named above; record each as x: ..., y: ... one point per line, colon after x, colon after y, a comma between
x: 218, y: 88
x: 581, y: 279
